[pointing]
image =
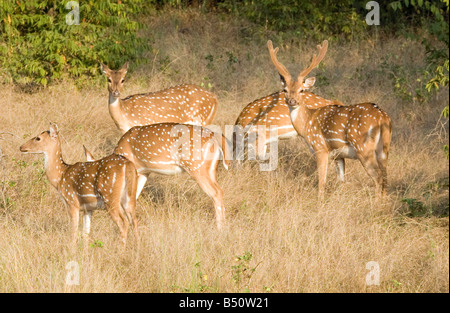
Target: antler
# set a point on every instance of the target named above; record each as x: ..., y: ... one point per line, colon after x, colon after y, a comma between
x: 315, y: 60
x: 280, y: 67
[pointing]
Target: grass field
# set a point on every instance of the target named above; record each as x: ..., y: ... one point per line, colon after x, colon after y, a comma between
x: 278, y: 238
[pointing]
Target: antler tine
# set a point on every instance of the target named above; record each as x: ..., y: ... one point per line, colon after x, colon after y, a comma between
x: 315, y: 60
x: 280, y: 67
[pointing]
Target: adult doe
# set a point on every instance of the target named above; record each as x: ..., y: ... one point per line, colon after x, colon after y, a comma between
x: 187, y: 104
x: 86, y: 186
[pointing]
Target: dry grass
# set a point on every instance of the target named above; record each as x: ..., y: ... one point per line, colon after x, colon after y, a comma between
x: 296, y: 244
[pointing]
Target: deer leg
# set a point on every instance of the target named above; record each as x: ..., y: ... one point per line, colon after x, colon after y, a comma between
x: 210, y: 186
x: 74, y: 214
x: 128, y: 204
x: 142, y: 179
x: 218, y: 206
x: 86, y: 223
x: 370, y: 164
x: 130, y: 199
x: 322, y: 167
x: 382, y: 164
x: 125, y: 225
x: 340, y: 169
x: 119, y: 218
x: 135, y: 224
x: 238, y: 151
x: 113, y: 205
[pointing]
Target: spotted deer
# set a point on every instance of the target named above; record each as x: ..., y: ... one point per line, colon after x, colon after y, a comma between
x: 187, y: 104
x: 86, y: 186
x: 269, y: 111
x: 170, y: 148
x: 333, y: 130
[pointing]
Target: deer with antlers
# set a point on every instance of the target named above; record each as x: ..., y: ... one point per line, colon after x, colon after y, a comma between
x: 332, y: 130
x: 170, y: 148
x: 86, y: 186
x: 187, y: 104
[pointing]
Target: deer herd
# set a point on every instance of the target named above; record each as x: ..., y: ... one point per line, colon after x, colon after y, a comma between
x: 167, y: 132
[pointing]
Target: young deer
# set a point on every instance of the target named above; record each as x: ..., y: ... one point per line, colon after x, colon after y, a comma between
x: 187, y: 104
x: 360, y: 131
x: 159, y: 148
x: 110, y: 182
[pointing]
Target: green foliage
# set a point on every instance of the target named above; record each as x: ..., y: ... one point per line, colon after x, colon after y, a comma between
x: 430, y: 202
x: 305, y: 18
x: 433, y: 17
x: 38, y: 46
x: 6, y: 201
x: 446, y: 150
x: 199, y: 280
x: 415, y: 207
x: 407, y: 83
x: 440, y: 78
x: 96, y: 244
x: 242, y: 272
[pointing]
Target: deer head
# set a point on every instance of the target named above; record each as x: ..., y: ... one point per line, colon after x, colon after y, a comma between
x: 46, y: 142
x: 116, y: 78
x: 294, y: 89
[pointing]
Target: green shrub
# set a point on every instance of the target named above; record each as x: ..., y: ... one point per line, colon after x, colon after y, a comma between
x: 305, y: 18
x: 432, y: 16
x: 37, y: 46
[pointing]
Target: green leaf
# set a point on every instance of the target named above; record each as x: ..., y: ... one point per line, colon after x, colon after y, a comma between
x: 445, y: 111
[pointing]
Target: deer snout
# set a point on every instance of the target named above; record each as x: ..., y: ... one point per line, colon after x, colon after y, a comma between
x: 23, y: 148
x: 116, y: 93
x: 292, y: 102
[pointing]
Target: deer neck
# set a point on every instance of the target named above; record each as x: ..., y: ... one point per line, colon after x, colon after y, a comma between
x: 115, y: 110
x: 55, y: 166
x: 300, y: 117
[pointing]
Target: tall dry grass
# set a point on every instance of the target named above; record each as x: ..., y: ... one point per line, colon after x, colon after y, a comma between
x: 295, y: 244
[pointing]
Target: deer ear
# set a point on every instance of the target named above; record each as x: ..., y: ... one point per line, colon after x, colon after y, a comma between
x: 283, y: 81
x: 125, y: 67
x: 309, y: 82
x: 104, y: 68
x: 88, y: 154
x: 53, y: 130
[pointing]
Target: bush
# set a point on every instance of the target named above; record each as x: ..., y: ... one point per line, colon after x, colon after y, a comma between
x: 432, y: 16
x: 38, y: 46
x: 305, y: 18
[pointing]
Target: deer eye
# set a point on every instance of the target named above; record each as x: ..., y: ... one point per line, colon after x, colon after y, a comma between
x: 109, y: 80
x: 38, y: 138
x: 123, y: 79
